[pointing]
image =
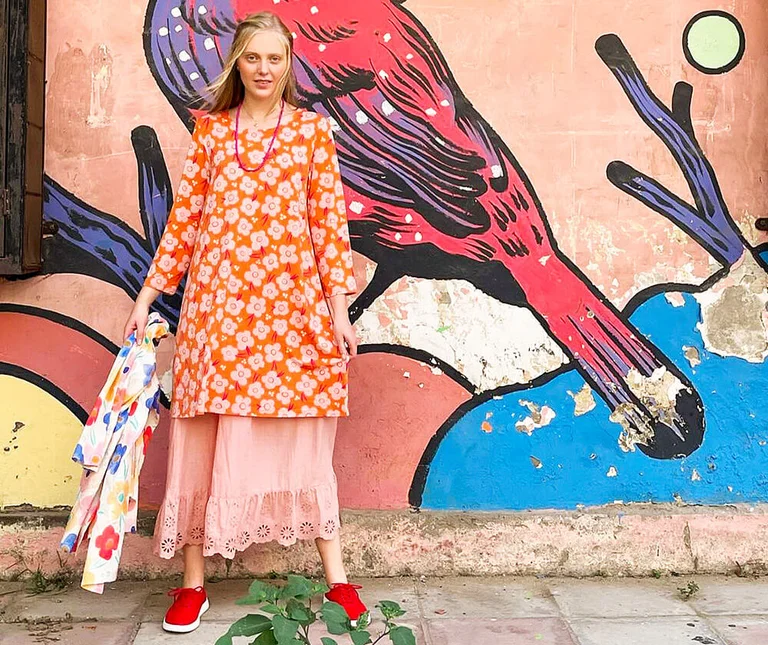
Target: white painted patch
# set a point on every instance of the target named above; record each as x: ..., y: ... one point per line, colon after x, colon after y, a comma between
x: 176, y: 12
x: 387, y: 108
x: 544, y: 259
x: 440, y: 317
x: 177, y: 28
x: 408, y: 218
x: 675, y: 299
x: 436, y: 370
x: 202, y: 10
x: 496, y: 171
x: 387, y: 37
x: 695, y: 477
x: 335, y: 127
x: 361, y: 117
x: 539, y: 418
x: 194, y: 76
x: 612, y: 472
x: 734, y: 312
x: 407, y: 374
x: 398, y: 236
x: 313, y: 10
x: 383, y: 74
x: 430, y: 112
x: 183, y: 56
x: 163, y: 31
x: 356, y: 207
x: 409, y: 56
x: 321, y: 47
x: 209, y: 44
x: 417, y: 237
x: 445, y: 102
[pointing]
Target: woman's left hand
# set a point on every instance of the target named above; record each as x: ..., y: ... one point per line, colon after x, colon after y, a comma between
x: 346, y: 338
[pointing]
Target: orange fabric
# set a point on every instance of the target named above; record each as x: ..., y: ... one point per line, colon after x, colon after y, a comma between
x: 255, y: 335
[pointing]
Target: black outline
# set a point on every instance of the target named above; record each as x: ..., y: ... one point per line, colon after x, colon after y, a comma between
x: 44, y: 384
x: 742, y: 44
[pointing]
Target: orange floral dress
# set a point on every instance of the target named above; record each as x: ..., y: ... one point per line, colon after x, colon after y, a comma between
x: 263, y: 250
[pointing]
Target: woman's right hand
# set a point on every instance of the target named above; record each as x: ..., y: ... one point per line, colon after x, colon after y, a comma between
x: 137, y: 321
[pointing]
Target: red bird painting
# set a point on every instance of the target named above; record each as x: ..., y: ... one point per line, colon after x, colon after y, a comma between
x: 433, y: 192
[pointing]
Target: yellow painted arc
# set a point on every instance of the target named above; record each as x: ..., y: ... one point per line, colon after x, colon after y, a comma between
x: 35, y: 461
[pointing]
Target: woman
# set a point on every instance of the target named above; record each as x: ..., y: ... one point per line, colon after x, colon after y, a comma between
x: 260, y: 367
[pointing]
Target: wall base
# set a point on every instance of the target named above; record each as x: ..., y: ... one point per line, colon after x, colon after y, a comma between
x: 610, y: 541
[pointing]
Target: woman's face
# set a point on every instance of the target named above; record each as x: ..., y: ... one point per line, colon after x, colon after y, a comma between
x: 262, y: 65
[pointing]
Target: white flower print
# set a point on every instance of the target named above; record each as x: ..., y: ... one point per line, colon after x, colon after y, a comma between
x: 244, y: 227
x: 309, y: 353
x: 248, y: 207
x: 255, y: 275
x: 259, y: 240
x: 267, y: 407
x: 284, y: 283
x: 233, y: 172
x: 235, y: 286
x: 285, y: 395
x: 272, y: 353
x: 293, y: 339
x: 280, y: 326
x: 261, y: 330
x: 228, y: 327
x: 219, y: 384
x: 276, y: 230
x: 269, y: 175
x: 243, y: 254
x: 242, y: 405
x: 219, y: 405
x: 284, y: 189
x: 244, y: 340
x: 271, y: 262
x: 215, y: 225
x: 271, y: 380
x: 231, y: 197
x: 300, y: 154
x: 241, y: 375
x: 256, y: 390
x: 248, y: 185
x: 322, y: 400
x: 288, y: 254
x: 229, y: 353
x: 271, y: 291
x: 234, y: 305
x: 281, y: 307
x: 256, y: 306
x: 306, y: 385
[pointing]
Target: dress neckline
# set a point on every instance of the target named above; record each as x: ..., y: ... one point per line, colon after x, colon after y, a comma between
x: 286, y: 120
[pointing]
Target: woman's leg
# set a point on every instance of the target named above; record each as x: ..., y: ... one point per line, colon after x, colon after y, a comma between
x: 194, y: 566
x: 333, y: 563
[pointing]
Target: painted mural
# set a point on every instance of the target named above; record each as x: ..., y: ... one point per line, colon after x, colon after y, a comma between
x: 511, y: 378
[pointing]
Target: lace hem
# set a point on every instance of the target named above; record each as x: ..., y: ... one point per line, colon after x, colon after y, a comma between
x: 228, y: 525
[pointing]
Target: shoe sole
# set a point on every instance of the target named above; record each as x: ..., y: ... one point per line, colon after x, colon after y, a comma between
x: 185, y: 629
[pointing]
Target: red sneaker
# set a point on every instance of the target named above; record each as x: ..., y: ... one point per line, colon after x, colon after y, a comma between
x: 346, y: 595
x: 188, y: 606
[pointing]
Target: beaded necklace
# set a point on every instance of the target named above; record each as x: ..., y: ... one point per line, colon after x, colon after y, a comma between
x: 271, y: 143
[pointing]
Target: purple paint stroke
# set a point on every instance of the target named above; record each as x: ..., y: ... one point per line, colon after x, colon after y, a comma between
x: 712, y: 225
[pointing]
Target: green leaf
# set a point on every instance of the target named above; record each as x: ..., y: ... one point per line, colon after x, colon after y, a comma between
x: 297, y: 587
x: 364, y: 620
x: 360, y: 638
x: 271, y: 609
x: 226, y: 639
x: 250, y: 625
x: 285, y: 630
x: 299, y: 612
x: 328, y: 641
x: 266, y: 638
x: 402, y: 636
x: 390, y: 609
x: 333, y: 612
x: 318, y: 588
x: 259, y: 589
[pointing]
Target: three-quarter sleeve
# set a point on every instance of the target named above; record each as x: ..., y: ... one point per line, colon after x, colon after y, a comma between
x: 177, y: 243
x: 327, y: 214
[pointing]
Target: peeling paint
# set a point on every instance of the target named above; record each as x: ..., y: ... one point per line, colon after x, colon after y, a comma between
x: 612, y: 472
x: 692, y: 355
x: 695, y: 477
x: 440, y: 317
x: 536, y: 462
x: 733, y: 312
x: 675, y: 299
x: 486, y: 427
x: 658, y: 393
x: 584, y: 400
x: 538, y: 418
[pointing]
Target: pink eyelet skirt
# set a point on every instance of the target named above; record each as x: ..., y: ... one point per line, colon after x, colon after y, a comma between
x: 235, y: 481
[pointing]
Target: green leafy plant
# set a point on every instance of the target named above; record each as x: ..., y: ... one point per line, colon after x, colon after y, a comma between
x: 287, y: 614
x: 689, y: 591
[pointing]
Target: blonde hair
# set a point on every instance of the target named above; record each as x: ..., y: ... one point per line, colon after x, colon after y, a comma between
x: 228, y: 91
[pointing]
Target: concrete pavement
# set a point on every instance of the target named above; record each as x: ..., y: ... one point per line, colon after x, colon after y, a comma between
x: 442, y: 611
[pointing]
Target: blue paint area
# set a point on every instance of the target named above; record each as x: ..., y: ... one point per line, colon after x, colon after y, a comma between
x: 493, y: 471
